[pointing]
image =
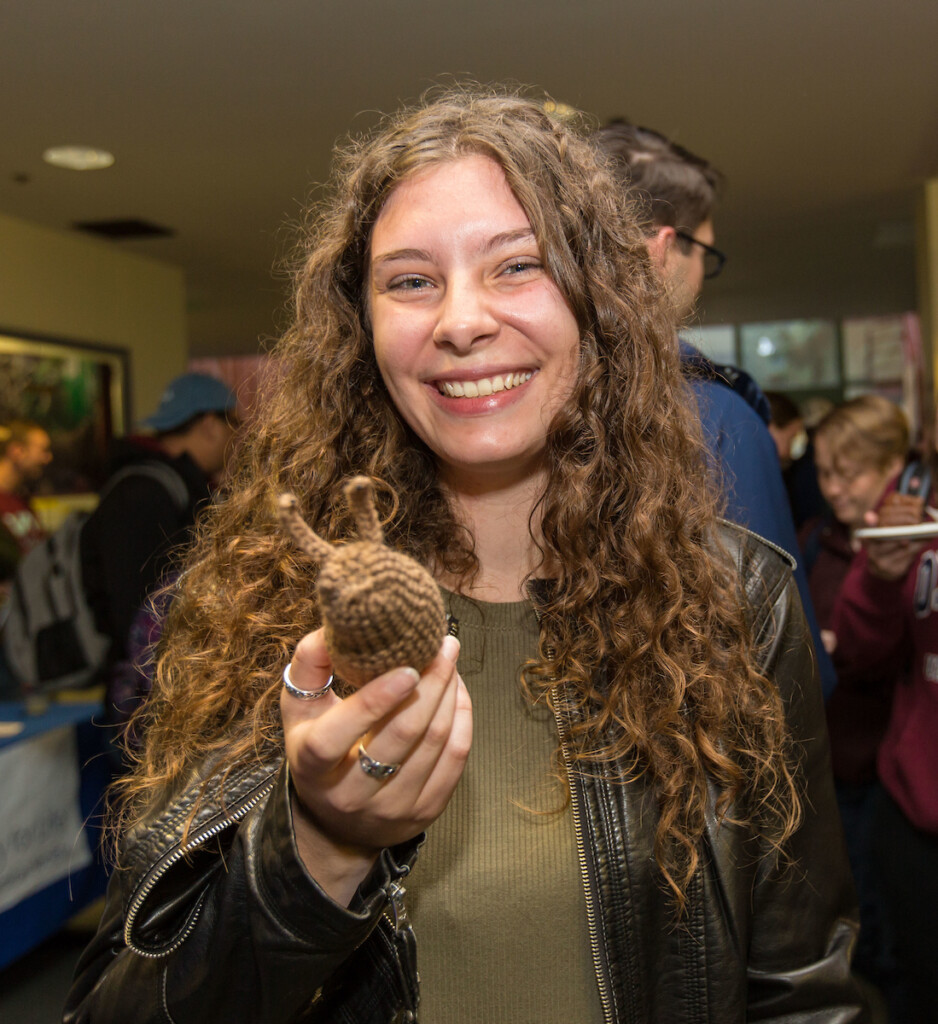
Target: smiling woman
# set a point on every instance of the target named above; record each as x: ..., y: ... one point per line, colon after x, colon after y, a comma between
x: 478, y: 329
x: 859, y: 447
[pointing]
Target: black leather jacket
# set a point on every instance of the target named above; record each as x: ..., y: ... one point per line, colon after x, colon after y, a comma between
x: 232, y: 928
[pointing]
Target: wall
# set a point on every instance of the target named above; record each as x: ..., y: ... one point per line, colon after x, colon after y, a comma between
x: 77, y: 288
x: 927, y: 243
x: 801, y: 270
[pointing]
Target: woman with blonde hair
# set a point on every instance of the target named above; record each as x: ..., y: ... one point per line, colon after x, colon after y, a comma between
x: 862, y: 445
x: 887, y: 634
x: 860, y: 449
x: 644, y: 829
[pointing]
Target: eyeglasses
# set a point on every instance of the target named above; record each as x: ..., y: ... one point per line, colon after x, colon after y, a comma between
x: 714, y: 260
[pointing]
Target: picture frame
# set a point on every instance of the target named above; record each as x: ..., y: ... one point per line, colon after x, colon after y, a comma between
x: 78, y: 392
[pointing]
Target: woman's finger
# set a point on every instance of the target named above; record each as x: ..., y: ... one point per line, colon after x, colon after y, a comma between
x: 418, y: 733
x: 329, y: 739
x: 311, y: 659
x: 451, y: 760
x: 309, y: 671
x: 365, y: 711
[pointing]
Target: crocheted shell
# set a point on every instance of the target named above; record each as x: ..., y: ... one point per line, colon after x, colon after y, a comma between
x: 380, y: 609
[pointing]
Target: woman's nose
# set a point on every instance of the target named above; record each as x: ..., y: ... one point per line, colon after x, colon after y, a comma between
x: 466, y: 315
x: 833, y: 486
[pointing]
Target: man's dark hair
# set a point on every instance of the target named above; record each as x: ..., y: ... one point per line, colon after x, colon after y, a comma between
x: 670, y: 186
x: 784, y: 409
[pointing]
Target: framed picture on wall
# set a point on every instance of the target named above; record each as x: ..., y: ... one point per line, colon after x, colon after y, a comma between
x: 77, y: 392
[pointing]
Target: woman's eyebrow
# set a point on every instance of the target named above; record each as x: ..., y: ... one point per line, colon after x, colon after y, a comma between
x: 503, y: 238
x: 508, y: 238
x: 402, y: 254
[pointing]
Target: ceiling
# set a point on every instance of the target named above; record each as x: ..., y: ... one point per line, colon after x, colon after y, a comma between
x: 823, y: 114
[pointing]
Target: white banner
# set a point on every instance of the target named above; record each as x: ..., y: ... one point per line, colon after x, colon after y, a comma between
x: 41, y: 834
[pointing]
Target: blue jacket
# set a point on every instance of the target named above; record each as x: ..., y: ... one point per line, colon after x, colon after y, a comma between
x: 752, y: 479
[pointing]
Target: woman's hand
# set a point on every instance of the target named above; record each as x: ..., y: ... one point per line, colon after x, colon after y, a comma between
x: 892, y: 559
x: 343, y: 817
x: 829, y: 639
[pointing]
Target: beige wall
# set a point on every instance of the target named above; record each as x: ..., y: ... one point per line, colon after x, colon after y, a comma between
x: 927, y: 239
x: 77, y: 288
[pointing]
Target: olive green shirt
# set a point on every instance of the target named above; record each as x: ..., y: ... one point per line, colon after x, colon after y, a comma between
x: 496, y: 897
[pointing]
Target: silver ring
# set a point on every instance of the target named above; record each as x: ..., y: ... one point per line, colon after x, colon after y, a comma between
x: 376, y: 769
x: 295, y: 691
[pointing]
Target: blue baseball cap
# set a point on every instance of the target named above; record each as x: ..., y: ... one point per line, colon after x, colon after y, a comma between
x: 188, y: 396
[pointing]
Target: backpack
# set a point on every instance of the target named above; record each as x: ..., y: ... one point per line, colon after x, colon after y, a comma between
x: 50, y: 639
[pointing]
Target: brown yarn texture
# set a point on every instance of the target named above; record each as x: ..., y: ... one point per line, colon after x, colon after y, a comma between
x: 380, y: 609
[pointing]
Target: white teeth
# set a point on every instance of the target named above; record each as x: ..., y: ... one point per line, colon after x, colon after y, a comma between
x: 485, y: 386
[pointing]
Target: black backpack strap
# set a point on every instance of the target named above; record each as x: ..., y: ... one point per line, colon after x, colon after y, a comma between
x: 162, y: 472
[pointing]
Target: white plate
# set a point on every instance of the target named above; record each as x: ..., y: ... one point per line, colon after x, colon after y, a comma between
x: 916, y: 531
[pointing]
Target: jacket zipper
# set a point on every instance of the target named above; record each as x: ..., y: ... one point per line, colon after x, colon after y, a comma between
x: 599, y: 964
x: 401, y: 948
x: 177, y: 855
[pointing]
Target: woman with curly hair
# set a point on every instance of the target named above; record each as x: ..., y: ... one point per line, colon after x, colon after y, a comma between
x: 645, y: 828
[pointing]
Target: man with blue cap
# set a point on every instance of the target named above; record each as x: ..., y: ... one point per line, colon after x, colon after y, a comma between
x: 157, y: 486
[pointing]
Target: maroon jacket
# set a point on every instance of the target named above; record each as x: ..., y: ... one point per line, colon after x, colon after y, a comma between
x: 18, y: 518
x: 858, y: 709
x: 894, y: 625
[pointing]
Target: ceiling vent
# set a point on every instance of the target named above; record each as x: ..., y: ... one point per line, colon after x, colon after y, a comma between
x: 124, y: 229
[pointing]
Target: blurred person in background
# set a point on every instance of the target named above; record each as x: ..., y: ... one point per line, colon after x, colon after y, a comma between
x: 795, y: 446
x: 804, y: 491
x: 673, y: 193
x: 787, y: 428
x: 147, y: 511
x: 25, y: 451
x: 885, y: 619
x: 860, y: 449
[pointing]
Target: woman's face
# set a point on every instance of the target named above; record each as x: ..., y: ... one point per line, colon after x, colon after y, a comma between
x: 476, y: 345
x: 851, y: 487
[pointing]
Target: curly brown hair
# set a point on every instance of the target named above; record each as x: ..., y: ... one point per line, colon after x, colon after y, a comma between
x: 644, y: 627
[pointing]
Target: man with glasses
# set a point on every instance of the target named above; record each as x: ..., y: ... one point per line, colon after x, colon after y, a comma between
x: 673, y: 193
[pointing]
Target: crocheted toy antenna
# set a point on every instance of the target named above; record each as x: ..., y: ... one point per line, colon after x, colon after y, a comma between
x: 380, y: 609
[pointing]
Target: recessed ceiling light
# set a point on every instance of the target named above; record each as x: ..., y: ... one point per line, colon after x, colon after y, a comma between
x: 78, y: 158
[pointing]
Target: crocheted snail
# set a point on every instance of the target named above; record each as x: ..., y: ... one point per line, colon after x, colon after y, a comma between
x: 380, y: 609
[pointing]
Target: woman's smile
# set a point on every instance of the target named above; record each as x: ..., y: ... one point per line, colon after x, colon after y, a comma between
x: 484, y: 386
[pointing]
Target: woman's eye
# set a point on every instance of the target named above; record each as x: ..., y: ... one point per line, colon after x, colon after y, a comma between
x: 409, y: 284
x: 520, y: 266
